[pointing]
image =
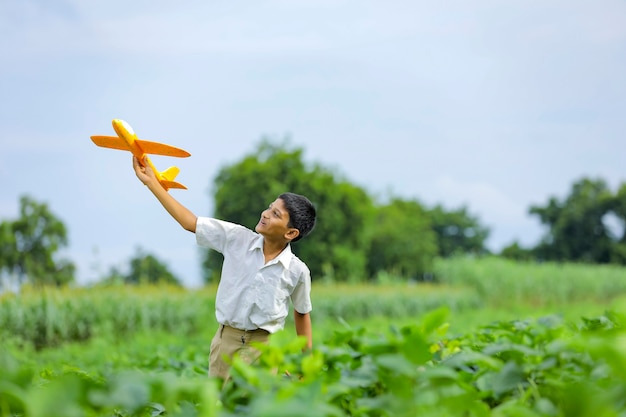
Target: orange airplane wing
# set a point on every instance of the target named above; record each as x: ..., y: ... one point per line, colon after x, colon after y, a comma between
x: 153, y: 148
x: 126, y: 140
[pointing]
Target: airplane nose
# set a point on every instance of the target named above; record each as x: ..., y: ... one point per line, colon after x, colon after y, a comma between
x: 121, y: 126
x: 117, y: 127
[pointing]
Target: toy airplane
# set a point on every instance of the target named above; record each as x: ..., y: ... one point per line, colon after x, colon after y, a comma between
x: 127, y: 140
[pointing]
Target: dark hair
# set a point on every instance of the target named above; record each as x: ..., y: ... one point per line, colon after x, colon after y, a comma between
x: 301, y: 213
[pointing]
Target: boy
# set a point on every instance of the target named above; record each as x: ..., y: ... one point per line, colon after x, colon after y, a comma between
x: 260, y: 273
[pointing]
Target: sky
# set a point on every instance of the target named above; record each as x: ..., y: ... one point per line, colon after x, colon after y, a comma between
x: 492, y: 105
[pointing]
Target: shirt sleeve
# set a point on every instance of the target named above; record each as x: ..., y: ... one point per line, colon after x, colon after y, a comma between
x: 301, y: 295
x: 213, y: 233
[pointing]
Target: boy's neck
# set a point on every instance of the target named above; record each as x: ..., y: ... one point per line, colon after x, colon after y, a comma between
x: 271, y: 249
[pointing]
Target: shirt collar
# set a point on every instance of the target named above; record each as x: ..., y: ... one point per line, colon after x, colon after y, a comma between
x: 284, y: 257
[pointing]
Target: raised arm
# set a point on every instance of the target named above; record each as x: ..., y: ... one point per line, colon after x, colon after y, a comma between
x: 179, y: 212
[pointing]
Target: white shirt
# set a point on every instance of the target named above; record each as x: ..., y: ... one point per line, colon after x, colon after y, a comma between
x: 252, y: 294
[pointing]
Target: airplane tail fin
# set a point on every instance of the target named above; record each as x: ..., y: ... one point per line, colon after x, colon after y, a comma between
x: 168, y: 176
x: 170, y: 173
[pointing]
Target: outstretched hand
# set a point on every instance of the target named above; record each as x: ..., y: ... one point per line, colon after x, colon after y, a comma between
x: 143, y: 172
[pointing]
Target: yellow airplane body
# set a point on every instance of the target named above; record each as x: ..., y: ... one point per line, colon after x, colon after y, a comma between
x: 127, y: 140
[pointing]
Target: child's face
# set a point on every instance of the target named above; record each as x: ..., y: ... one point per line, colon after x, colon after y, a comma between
x: 274, y: 221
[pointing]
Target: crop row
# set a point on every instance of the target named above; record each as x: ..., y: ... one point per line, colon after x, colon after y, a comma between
x: 51, y: 317
x: 500, y: 281
x: 544, y: 368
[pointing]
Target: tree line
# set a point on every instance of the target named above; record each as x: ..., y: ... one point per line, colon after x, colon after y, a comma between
x: 357, y: 237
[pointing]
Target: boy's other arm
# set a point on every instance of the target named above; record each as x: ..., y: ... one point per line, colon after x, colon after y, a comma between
x: 179, y: 212
x: 303, y: 327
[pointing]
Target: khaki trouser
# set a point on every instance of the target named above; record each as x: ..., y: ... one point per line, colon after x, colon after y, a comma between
x: 229, y: 341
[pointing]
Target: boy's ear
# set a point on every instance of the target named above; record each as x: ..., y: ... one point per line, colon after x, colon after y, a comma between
x: 292, y: 233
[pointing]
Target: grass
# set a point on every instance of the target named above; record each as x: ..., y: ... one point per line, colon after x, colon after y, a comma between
x: 501, y: 282
x: 476, y: 292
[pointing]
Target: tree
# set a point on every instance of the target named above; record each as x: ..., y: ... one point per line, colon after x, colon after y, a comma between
x: 617, y: 210
x: 337, y: 244
x: 29, y: 245
x: 403, y: 242
x: 458, y: 231
x: 516, y: 252
x: 576, y: 227
x: 144, y: 269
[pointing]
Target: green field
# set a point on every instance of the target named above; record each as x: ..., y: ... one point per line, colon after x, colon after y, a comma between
x: 488, y: 337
